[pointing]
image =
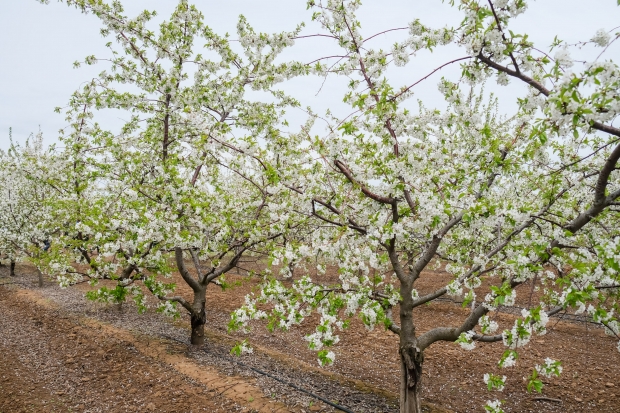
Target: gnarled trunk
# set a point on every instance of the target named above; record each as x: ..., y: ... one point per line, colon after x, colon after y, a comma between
x: 411, y: 356
x: 411, y: 360
x: 198, y: 328
x: 196, y: 310
x: 198, y: 317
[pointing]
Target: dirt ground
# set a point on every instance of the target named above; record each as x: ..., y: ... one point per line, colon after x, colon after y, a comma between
x: 65, y: 354
x: 59, y: 363
x: 59, y: 353
x: 453, y: 376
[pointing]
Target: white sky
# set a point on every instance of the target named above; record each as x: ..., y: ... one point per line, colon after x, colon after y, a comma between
x: 39, y: 43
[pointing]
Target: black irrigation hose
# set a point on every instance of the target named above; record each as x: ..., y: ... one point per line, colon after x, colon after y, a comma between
x: 264, y: 373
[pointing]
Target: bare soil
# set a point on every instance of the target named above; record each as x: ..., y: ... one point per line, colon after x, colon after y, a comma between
x: 84, y: 357
x: 61, y: 353
x: 453, y: 377
x: 55, y: 362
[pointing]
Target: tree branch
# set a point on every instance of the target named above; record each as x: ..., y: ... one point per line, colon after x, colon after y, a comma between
x: 347, y: 172
x: 181, y: 301
x: 499, y: 27
x: 451, y: 333
x: 187, y: 277
x: 539, y: 86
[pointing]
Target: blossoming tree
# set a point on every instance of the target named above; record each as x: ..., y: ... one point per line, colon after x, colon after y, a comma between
x: 23, y: 202
x: 498, y: 201
x: 187, y: 174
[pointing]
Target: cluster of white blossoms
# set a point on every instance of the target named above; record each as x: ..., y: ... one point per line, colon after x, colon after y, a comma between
x: 243, y: 315
x: 494, y: 406
x: 509, y: 359
x: 532, y: 321
x: 465, y: 340
x: 455, y: 288
x: 494, y: 382
x: 242, y: 348
x: 518, y: 336
x: 550, y: 368
x: 563, y: 58
x: 601, y: 38
x: 324, y: 334
x: 487, y: 325
x: 500, y: 296
x: 606, y: 317
x: 539, y: 319
x: 168, y: 308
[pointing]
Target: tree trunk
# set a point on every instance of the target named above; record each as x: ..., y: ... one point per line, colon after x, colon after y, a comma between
x: 237, y: 249
x: 198, y: 318
x: 12, y: 271
x: 40, y: 278
x: 198, y: 328
x: 411, y: 360
x: 411, y: 356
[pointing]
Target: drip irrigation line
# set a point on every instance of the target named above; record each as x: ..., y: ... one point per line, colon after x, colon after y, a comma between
x: 264, y: 373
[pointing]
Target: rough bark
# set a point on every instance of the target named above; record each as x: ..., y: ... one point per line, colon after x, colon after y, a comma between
x: 198, y: 317
x: 411, y: 360
x: 196, y: 310
x: 411, y: 356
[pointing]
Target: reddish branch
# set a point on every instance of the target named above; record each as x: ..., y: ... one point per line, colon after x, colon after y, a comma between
x: 539, y: 86
x: 499, y: 27
x: 371, y: 86
x: 383, y: 32
x: 347, y: 172
x: 429, y: 75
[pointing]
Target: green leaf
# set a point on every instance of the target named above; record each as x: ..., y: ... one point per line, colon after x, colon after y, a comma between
x: 534, y: 383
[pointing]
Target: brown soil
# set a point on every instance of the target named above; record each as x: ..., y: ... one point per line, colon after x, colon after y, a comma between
x: 78, y: 361
x: 366, y: 364
x: 453, y: 376
x: 55, y: 362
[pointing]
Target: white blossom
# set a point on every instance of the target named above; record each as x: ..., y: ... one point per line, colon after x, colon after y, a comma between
x: 601, y: 38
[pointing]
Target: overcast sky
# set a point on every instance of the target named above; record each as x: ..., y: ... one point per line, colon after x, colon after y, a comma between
x: 39, y: 43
